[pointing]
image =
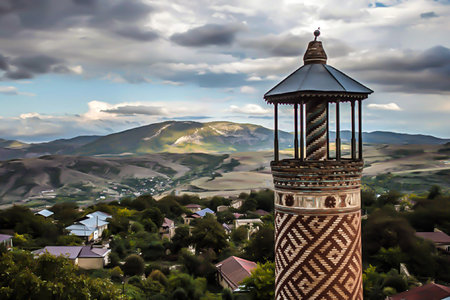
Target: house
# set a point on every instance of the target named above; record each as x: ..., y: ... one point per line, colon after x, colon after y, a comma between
x: 167, y: 228
x: 237, y: 215
x: 251, y: 224
x: 261, y: 212
x: 197, y: 215
x: 86, y: 257
x: 96, y: 223
x: 84, y: 232
x: 231, y: 271
x: 237, y: 203
x: 92, y: 227
x: 100, y: 215
x: 6, y: 240
x: 440, y: 239
x: 203, y: 212
x: 430, y: 291
x: 45, y: 213
x: 221, y: 208
x: 227, y: 228
x: 193, y: 207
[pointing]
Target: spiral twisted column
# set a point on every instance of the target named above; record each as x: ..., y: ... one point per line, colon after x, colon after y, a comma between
x: 316, y: 130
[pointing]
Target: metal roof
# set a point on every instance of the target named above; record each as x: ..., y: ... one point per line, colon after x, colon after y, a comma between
x: 5, y: 237
x: 93, y: 222
x: 318, y: 78
x: 204, y: 211
x: 101, y: 215
x: 45, y: 212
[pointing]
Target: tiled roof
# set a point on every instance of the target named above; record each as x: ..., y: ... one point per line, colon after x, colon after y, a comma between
x: 73, y: 252
x: 45, y: 212
x: 4, y: 237
x: 87, y: 252
x: 167, y: 223
x: 430, y: 291
x: 261, y: 212
x: 193, y: 206
x: 235, y: 269
x: 435, y: 237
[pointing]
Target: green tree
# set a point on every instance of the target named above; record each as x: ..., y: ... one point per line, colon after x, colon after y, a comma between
x: 208, y: 233
x: 261, y: 283
x: 134, y: 265
x: 261, y: 244
x: 181, y: 239
x: 239, y: 235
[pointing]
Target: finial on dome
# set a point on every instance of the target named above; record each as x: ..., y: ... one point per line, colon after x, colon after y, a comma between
x: 316, y: 33
x: 315, y: 54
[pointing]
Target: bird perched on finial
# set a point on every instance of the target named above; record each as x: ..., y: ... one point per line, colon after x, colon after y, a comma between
x: 316, y: 33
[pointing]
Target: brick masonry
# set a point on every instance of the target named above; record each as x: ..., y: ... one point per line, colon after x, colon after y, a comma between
x: 317, y: 230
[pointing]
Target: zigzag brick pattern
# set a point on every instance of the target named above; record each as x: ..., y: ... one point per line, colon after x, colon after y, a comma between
x: 318, y: 256
x: 316, y: 130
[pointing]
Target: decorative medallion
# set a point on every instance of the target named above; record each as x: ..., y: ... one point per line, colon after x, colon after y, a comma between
x: 289, y: 200
x: 330, y: 202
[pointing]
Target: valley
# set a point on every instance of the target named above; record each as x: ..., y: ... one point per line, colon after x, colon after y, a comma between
x: 205, y: 159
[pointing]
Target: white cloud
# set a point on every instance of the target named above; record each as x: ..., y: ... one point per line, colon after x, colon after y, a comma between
x: 387, y: 106
x: 249, y: 109
x: 12, y: 90
x: 247, y: 89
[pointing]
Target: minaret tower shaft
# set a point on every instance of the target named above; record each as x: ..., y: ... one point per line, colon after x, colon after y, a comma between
x: 317, y: 193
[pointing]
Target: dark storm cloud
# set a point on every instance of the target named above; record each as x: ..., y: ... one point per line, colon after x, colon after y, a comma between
x: 26, y: 67
x: 429, y: 15
x: 206, y: 35
x: 3, y: 63
x: 136, y: 33
x: 136, y: 110
x: 35, y: 64
x: 60, y: 14
x: 292, y: 45
x: 427, y: 71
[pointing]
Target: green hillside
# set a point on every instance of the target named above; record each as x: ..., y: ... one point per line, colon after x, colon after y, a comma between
x: 184, y: 137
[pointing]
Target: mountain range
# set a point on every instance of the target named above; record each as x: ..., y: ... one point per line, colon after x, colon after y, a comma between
x: 186, y: 137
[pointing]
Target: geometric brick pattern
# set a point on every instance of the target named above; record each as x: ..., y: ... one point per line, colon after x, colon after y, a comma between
x: 318, y: 256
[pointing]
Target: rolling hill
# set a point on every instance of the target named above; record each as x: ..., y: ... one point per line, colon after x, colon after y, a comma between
x: 187, y: 137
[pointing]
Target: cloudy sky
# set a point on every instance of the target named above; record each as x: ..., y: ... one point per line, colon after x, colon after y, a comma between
x: 72, y: 67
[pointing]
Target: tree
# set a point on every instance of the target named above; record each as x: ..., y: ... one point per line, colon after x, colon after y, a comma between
x: 261, y: 283
x: 261, y: 245
x: 48, y: 277
x: 392, y: 197
x: 134, y: 265
x: 239, y: 235
x: 181, y: 239
x: 208, y: 233
x: 434, y: 191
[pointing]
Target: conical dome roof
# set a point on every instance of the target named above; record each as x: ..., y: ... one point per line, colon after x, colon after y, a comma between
x: 316, y: 80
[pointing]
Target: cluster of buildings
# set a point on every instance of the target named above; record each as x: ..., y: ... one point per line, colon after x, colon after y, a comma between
x: 92, y: 227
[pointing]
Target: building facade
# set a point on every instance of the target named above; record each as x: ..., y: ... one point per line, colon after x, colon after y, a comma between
x: 317, y: 193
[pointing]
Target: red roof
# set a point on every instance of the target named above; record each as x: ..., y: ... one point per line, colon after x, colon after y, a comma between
x: 167, y: 222
x: 235, y: 269
x: 430, y: 291
x: 436, y: 237
x: 193, y: 206
x: 261, y: 212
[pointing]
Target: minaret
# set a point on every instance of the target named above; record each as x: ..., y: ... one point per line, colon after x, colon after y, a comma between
x: 317, y: 193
